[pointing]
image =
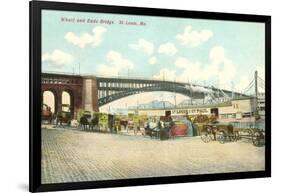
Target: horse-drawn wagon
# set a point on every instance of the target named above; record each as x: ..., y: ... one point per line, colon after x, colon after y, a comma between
x: 95, y: 121
x: 84, y: 119
x: 105, y: 122
x: 210, y: 129
x: 46, y: 114
x: 63, y: 116
x: 224, y: 132
x: 255, y: 135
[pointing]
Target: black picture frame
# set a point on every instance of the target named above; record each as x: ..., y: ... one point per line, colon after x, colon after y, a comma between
x: 35, y: 94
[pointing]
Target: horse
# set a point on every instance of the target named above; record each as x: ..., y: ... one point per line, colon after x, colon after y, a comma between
x: 94, y: 122
x: 124, y: 123
x: 63, y: 117
x: 152, y: 129
x: 152, y: 132
x: 84, y: 122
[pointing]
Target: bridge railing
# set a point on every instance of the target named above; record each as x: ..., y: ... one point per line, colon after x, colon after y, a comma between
x: 118, y: 77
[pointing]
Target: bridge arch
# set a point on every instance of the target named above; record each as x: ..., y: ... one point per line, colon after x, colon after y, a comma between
x: 176, y: 89
x: 49, y: 97
x: 67, y: 97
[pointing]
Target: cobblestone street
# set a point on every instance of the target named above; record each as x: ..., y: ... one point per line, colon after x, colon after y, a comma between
x: 70, y: 156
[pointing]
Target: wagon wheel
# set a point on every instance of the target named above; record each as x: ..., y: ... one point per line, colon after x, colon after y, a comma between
x: 221, y: 137
x: 250, y: 133
x: 236, y: 136
x: 258, y: 139
x: 206, y: 137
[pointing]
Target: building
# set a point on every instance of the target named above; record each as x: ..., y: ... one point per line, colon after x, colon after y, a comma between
x: 236, y: 110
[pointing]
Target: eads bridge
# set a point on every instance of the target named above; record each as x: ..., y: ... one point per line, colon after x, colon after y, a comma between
x: 91, y: 92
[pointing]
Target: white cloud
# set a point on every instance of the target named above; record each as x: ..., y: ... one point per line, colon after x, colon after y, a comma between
x: 95, y: 38
x: 217, y: 54
x: 225, y: 69
x: 165, y: 74
x: 219, y: 69
x: 193, y: 38
x: 189, y: 71
x: 168, y: 49
x: 57, y: 58
x: 116, y: 59
x: 242, y: 84
x: 227, y: 73
x: 143, y: 45
x: 152, y: 60
x: 107, y: 70
x: 115, y: 65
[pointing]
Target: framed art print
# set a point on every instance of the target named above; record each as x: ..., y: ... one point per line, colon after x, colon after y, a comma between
x: 126, y: 96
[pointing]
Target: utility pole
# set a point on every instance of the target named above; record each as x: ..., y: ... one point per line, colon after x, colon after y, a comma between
x: 232, y: 88
x: 256, y: 84
x: 256, y: 90
x: 175, y: 93
x: 191, y: 93
x: 79, y: 68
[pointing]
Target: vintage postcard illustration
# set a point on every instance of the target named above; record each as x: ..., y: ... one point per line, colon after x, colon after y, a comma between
x: 129, y: 96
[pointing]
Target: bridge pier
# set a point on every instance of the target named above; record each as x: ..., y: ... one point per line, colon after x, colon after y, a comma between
x: 90, y: 94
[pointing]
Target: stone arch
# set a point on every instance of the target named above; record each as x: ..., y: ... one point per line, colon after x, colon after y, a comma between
x: 49, y: 98
x: 67, y: 97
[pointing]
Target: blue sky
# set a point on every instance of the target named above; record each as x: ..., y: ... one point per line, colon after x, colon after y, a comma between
x: 208, y: 52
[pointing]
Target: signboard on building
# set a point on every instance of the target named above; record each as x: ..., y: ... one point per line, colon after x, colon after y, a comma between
x: 193, y: 111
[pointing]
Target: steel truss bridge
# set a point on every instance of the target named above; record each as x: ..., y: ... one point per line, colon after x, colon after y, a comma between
x: 94, y: 92
x: 111, y: 89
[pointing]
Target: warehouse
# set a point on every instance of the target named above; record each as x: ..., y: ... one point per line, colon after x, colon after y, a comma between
x: 242, y: 110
